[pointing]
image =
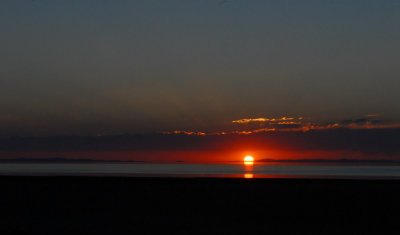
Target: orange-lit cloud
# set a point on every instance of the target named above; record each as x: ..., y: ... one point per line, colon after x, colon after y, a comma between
x: 183, y: 133
x: 295, y: 124
x: 247, y: 120
x: 311, y: 126
x: 288, y: 123
x: 371, y: 126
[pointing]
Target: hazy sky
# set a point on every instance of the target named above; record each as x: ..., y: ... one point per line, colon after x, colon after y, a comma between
x: 86, y: 67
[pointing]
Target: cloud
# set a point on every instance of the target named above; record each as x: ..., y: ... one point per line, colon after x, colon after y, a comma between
x: 293, y: 124
x: 297, y: 126
x: 272, y: 120
x: 183, y: 133
x: 300, y: 124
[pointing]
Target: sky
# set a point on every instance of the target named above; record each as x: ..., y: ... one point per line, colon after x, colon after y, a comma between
x: 100, y: 67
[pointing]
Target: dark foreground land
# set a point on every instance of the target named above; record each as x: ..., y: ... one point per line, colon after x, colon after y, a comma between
x: 115, y: 205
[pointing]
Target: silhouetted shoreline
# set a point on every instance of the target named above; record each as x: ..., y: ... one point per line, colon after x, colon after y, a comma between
x: 114, y: 205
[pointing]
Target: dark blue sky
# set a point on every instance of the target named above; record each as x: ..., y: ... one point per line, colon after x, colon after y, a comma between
x: 87, y: 67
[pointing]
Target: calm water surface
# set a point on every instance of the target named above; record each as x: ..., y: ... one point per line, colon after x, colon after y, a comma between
x: 205, y: 170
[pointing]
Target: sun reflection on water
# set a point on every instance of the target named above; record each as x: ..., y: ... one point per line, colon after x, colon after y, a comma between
x: 248, y: 162
x: 248, y: 176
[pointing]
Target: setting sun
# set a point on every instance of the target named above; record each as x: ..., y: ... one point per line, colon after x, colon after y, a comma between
x: 248, y: 160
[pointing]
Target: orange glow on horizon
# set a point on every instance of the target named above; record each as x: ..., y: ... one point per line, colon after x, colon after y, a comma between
x: 248, y: 176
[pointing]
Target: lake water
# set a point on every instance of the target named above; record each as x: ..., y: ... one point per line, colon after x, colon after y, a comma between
x: 205, y: 170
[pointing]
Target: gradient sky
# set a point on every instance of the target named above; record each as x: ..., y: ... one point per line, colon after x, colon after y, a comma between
x: 84, y: 67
